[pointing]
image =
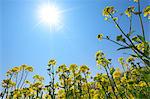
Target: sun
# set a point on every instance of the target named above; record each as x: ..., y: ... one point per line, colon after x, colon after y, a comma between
x: 49, y: 14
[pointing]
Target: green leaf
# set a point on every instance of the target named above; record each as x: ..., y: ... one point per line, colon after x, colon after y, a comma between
x: 115, y: 18
x: 112, y: 70
x: 119, y: 37
x: 121, y: 48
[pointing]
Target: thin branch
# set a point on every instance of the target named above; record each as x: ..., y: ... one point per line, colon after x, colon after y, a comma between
x: 129, y: 38
x: 21, y: 78
x: 111, y: 83
x: 24, y: 79
x: 130, y: 29
x: 141, y: 22
x: 115, y: 42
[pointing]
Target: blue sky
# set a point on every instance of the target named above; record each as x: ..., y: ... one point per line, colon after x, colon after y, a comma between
x: 24, y: 42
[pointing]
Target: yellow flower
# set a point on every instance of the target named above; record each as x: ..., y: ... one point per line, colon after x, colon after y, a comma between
x: 15, y: 69
x: 131, y: 96
x: 84, y: 68
x: 96, y: 96
x: 72, y: 88
x: 103, y: 62
x: 142, y: 84
x: 84, y: 86
x: 129, y: 10
x: 37, y: 85
x: 8, y: 83
x: 100, y: 36
x: 123, y: 79
x: 46, y: 96
x: 23, y: 66
x: 130, y: 59
x: 109, y: 88
x: 97, y: 85
x: 61, y: 94
x: 29, y: 68
x: 38, y: 77
x: 99, y: 54
x: 108, y: 10
x: 73, y: 67
x: 141, y: 46
x: 147, y: 12
x: 92, y: 91
x: 62, y: 68
x: 117, y: 73
x: 52, y: 62
x: 56, y: 85
x: 103, y: 79
x: 31, y: 90
x: 17, y: 94
x: 69, y: 81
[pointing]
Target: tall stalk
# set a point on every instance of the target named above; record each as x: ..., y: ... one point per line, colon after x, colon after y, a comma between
x: 141, y: 22
x: 111, y: 83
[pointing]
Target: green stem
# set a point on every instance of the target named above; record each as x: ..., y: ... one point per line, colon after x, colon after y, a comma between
x: 21, y: 77
x: 113, y: 80
x: 87, y: 86
x: 53, y: 81
x: 111, y: 83
x: 74, y: 94
x: 16, y: 80
x: 141, y: 22
x: 6, y: 89
x: 130, y: 29
x: 104, y: 90
x: 114, y: 42
x: 24, y: 79
x: 129, y: 38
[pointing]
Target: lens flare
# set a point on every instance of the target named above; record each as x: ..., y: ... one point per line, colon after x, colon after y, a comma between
x: 49, y: 14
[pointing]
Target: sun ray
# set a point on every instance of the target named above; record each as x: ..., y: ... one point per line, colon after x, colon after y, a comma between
x: 51, y: 15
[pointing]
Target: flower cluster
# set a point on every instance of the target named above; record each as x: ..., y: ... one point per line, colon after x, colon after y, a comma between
x: 108, y: 10
x: 129, y: 11
x: 147, y: 12
x: 76, y: 82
